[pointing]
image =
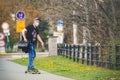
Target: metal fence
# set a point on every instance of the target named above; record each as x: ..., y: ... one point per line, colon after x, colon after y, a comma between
x: 100, y: 56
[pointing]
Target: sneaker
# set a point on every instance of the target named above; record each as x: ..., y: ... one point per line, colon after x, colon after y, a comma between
x: 34, y: 69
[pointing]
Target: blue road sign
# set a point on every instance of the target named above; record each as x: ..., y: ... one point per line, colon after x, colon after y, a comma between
x: 60, y: 22
x: 20, y: 15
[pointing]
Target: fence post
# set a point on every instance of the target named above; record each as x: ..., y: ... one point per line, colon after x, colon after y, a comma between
x: 92, y: 55
x: 83, y: 54
x: 110, y: 57
x: 63, y: 50
x: 97, y: 59
x: 67, y: 50
x: 117, y: 57
x: 78, y: 53
x: 57, y: 49
x: 97, y: 55
x: 74, y: 52
x: 70, y: 51
x: 88, y: 55
x: 113, y: 57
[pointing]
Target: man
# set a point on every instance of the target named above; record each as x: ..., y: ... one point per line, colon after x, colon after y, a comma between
x: 31, y: 35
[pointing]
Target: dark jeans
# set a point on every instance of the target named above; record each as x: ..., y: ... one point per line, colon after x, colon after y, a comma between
x: 32, y: 55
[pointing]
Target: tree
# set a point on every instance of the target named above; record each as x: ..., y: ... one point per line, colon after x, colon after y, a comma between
x: 11, y: 7
x: 98, y: 16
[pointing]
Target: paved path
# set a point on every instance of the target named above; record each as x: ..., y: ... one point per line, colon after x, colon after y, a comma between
x: 12, y: 71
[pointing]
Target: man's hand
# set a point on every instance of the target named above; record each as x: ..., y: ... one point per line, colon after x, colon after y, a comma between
x: 43, y: 45
x: 25, y: 39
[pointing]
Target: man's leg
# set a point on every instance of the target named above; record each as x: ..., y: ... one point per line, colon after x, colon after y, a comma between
x: 34, y: 55
x: 31, y: 57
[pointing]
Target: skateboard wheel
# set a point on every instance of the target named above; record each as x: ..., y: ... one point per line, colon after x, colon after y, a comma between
x: 25, y: 71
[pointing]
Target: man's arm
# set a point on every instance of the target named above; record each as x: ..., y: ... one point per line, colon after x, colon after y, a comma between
x: 24, y: 36
x: 40, y: 40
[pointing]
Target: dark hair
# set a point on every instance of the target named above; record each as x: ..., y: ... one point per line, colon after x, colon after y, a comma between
x: 37, y: 18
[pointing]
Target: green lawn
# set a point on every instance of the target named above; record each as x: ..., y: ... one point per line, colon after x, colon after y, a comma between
x: 65, y: 67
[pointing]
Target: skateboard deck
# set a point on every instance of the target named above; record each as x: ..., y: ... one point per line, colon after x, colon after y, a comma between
x: 32, y: 71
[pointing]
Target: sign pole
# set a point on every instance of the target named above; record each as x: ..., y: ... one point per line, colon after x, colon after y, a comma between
x: 6, y: 31
x: 20, y: 15
x: 2, y: 43
x: 60, y: 31
x: 8, y: 43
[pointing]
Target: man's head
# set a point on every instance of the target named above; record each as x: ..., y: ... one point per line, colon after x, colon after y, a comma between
x: 37, y: 21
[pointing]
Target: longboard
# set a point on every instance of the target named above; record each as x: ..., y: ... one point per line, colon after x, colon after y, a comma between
x: 32, y: 72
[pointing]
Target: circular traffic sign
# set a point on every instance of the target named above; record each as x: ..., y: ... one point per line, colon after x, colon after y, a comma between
x: 20, y: 15
x: 2, y: 43
x: 60, y: 22
x: 2, y: 36
x: 5, y: 25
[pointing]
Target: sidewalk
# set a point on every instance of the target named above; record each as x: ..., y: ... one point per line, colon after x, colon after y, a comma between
x: 19, y: 55
x: 12, y: 71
